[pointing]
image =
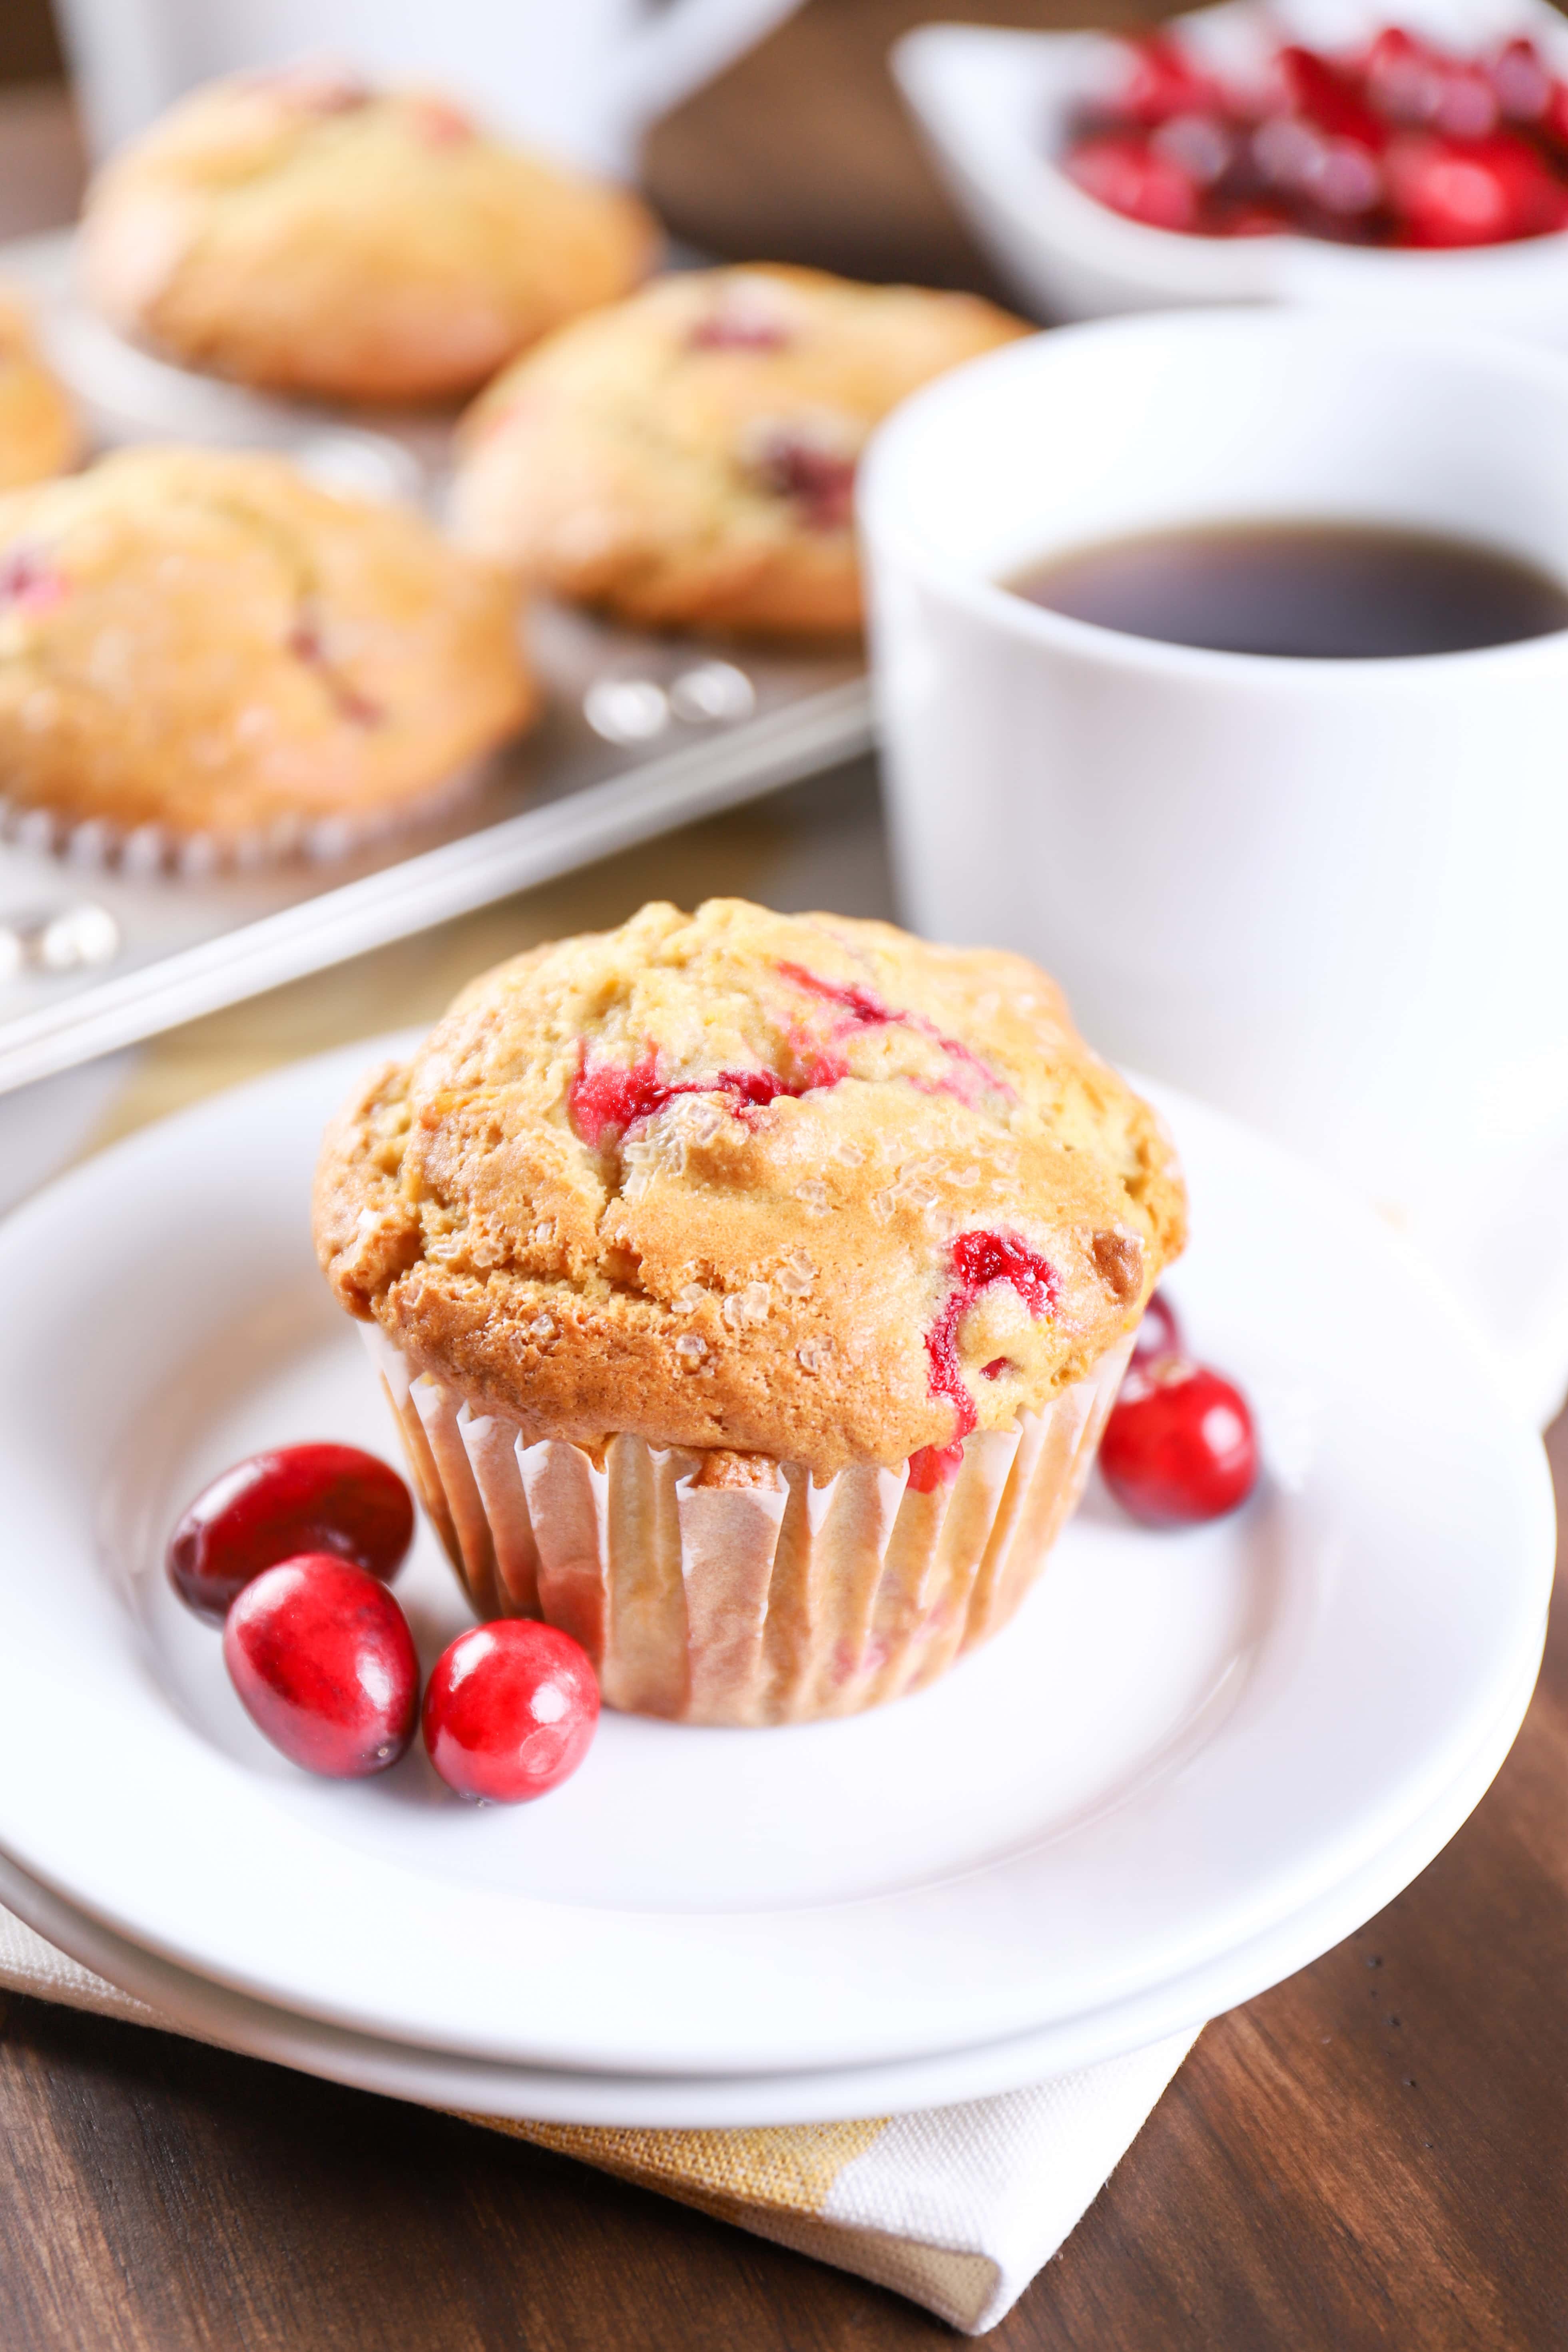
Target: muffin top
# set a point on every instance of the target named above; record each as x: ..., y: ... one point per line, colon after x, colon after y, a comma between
x: 798, y: 1186
x: 213, y: 643
x: 304, y: 231
x: 38, y: 433
x: 688, y: 456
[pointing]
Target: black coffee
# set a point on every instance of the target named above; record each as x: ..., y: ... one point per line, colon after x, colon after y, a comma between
x: 1322, y: 592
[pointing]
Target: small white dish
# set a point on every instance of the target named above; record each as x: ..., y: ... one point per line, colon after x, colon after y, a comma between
x: 479, y: 2086
x: 1181, y: 1744
x: 994, y: 106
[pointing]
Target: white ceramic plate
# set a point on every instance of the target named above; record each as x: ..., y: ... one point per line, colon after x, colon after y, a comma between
x: 1182, y: 1743
x: 994, y: 106
x: 481, y: 2087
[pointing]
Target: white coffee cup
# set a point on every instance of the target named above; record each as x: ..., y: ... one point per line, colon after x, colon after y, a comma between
x: 1331, y: 895
x: 582, y: 78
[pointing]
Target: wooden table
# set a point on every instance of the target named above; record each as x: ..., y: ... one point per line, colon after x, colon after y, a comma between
x: 1375, y: 2154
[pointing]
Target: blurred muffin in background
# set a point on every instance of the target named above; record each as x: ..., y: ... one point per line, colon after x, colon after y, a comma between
x: 303, y: 232
x: 199, y: 645
x: 38, y: 432
x: 686, y: 459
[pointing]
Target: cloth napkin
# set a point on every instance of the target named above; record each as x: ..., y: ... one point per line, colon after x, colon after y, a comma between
x: 956, y: 2208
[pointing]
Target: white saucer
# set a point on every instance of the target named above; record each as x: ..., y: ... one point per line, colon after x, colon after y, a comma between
x: 433, y: 2078
x: 1182, y: 1745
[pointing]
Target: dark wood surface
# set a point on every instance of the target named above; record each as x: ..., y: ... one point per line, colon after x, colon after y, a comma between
x: 1374, y: 2154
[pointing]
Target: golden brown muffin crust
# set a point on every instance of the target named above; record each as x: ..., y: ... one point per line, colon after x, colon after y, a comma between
x: 686, y: 459
x: 717, y: 1181
x: 212, y: 643
x: 301, y: 231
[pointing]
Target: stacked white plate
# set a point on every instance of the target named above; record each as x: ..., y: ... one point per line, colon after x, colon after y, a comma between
x: 1193, y: 1763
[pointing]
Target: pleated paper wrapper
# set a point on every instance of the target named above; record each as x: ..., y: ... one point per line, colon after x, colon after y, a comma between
x: 778, y: 1602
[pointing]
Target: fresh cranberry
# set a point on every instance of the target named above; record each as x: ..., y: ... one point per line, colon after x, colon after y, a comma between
x: 509, y: 1710
x: 1402, y: 143
x: 1331, y: 98
x: 1201, y: 145
x: 1179, y: 1446
x: 321, y: 1656
x: 1158, y: 1334
x: 1521, y: 83
x: 275, y: 1506
x: 1121, y: 170
x: 1478, y: 192
x: 1403, y: 76
x: 1161, y: 81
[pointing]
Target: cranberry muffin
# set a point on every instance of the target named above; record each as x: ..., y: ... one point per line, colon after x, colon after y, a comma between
x: 208, y: 644
x: 303, y: 232
x: 750, y: 1290
x: 686, y: 459
x: 38, y: 433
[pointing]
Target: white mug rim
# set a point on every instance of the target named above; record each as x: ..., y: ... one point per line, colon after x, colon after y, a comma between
x: 989, y: 600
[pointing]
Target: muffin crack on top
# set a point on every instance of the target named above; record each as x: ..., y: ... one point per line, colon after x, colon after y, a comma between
x: 801, y: 1188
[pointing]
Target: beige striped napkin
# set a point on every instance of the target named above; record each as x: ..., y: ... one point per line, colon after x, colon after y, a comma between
x: 956, y: 2208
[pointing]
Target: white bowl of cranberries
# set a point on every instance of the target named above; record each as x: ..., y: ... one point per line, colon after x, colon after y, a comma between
x: 1319, y: 152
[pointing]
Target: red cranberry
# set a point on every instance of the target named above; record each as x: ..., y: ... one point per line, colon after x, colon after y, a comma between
x: 321, y: 1656
x: 1160, y: 81
x: 1402, y: 144
x: 1179, y: 1446
x: 1478, y: 192
x: 1121, y: 171
x: 1331, y: 98
x: 1522, y: 84
x: 509, y: 1710
x: 1403, y: 76
x: 1158, y: 1334
x: 275, y: 1506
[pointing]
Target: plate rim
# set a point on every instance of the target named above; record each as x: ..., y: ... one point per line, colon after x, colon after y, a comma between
x: 989, y: 2070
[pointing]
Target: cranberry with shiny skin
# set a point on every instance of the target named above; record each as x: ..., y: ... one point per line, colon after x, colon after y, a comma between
x: 322, y: 1658
x: 509, y: 1710
x: 1158, y: 1334
x: 275, y: 1506
x: 1179, y: 1446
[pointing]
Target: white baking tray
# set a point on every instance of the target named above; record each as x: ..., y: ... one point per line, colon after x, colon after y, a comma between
x: 642, y: 734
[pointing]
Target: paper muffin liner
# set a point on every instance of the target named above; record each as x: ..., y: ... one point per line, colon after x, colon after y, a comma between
x: 97, y: 845
x: 758, y: 1604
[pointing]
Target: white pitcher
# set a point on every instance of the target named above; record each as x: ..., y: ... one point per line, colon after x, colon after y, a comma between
x: 582, y: 78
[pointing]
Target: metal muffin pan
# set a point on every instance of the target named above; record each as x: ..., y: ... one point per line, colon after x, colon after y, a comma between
x: 642, y: 734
